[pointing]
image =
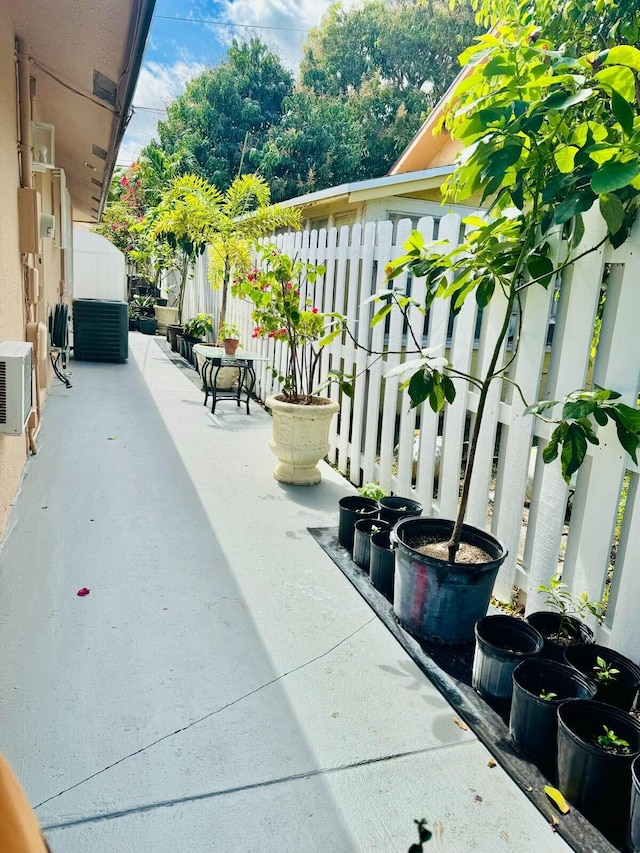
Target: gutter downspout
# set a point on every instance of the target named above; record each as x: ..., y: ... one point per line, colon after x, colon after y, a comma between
x: 25, y: 148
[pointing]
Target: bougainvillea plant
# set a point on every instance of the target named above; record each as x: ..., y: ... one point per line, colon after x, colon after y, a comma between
x: 282, y: 292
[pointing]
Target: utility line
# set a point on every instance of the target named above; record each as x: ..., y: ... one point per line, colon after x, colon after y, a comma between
x: 230, y: 24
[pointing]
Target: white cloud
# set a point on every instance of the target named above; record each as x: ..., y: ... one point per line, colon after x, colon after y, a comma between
x: 158, y: 85
x: 287, y: 15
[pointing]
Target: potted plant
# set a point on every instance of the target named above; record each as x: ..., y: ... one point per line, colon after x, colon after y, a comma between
x: 617, y: 678
x: 596, y: 746
x: 393, y: 508
x: 133, y: 317
x: 173, y: 330
x: 634, y: 819
x: 502, y: 642
x: 282, y: 295
x: 363, y: 531
x: 521, y: 103
x: 352, y: 509
x: 538, y: 688
x: 382, y: 563
x: 193, y: 332
x: 229, y: 334
x: 562, y: 626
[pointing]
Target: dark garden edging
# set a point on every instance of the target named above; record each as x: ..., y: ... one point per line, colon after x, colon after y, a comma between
x: 449, y: 670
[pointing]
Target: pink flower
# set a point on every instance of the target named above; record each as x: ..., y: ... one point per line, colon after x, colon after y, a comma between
x: 314, y: 310
x: 84, y: 591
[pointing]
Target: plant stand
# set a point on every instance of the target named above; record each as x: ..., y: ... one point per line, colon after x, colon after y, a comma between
x: 533, y: 724
x: 300, y: 438
x: 437, y: 600
x: 596, y: 782
x: 502, y: 642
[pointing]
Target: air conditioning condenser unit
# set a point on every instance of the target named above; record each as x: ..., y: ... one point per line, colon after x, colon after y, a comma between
x: 16, y: 358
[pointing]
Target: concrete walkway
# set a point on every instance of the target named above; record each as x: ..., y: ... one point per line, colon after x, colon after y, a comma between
x: 222, y: 687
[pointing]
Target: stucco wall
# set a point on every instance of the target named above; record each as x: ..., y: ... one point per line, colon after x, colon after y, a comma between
x: 12, y: 449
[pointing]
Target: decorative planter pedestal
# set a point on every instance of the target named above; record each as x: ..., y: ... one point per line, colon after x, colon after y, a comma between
x: 165, y: 317
x: 300, y: 438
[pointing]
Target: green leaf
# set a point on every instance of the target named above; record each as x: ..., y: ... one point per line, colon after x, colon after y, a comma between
x: 578, y: 409
x: 601, y: 417
x: 436, y: 397
x: 565, y: 158
x: 562, y: 101
x: 484, y: 291
x: 629, y: 440
x: 623, y: 54
x: 550, y: 452
x: 620, y: 79
x: 590, y: 435
x: 577, y: 203
x: 541, y: 269
x: 614, y: 176
x: 574, y: 449
x: 612, y: 212
x: 380, y: 315
x: 330, y: 338
x: 347, y: 388
x: 623, y: 112
x: 625, y: 415
x: 449, y: 389
x: 420, y: 386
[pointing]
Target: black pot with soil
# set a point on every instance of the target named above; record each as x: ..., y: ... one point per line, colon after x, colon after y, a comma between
x: 559, y: 632
x: 173, y: 330
x: 539, y: 686
x: 382, y: 563
x: 148, y: 325
x: 437, y: 600
x: 502, y: 642
x: 363, y: 531
x: 615, y: 688
x: 594, y: 773
x: 392, y: 509
x: 353, y: 508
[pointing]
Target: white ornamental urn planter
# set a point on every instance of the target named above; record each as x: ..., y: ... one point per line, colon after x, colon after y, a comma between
x: 300, y: 438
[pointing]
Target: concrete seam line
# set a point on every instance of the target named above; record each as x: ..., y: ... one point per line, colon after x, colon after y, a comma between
x: 206, y: 716
x: 209, y: 795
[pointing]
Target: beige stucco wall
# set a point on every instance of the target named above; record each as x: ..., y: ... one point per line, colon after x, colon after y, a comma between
x: 12, y: 449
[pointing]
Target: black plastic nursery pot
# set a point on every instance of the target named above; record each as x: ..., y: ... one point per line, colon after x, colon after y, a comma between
x: 434, y: 599
x: 363, y: 531
x: 551, y: 624
x: 596, y: 782
x: 382, y: 563
x: 392, y: 509
x: 148, y: 325
x: 353, y: 508
x: 533, y: 724
x: 620, y: 692
x: 502, y: 642
x: 634, y: 817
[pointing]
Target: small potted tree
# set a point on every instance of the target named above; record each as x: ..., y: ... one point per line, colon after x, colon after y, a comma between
x: 523, y: 116
x: 282, y: 295
x: 229, y: 336
x: 193, y: 332
x: 616, y: 677
x: 562, y: 625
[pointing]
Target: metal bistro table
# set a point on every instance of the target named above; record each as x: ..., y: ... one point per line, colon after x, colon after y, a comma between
x: 215, y: 359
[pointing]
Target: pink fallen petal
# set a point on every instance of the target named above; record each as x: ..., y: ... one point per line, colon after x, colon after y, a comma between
x: 83, y: 591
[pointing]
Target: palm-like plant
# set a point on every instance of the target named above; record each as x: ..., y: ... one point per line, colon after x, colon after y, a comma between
x: 194, y: 214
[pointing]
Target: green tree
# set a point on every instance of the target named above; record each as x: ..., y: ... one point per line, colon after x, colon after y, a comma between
x: 226, y: 110
x: 194, y: 215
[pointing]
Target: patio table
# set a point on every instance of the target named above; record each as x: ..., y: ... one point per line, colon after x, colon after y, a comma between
x: 215, y: 359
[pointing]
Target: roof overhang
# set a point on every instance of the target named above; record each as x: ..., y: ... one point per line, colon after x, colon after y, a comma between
x: 85, y: 59
x: 388, y: 185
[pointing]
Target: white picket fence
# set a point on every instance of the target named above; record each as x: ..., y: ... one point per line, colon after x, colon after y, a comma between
x: 374, y: 435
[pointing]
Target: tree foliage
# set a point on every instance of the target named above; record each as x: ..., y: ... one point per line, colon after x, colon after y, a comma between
x: 225, y: 109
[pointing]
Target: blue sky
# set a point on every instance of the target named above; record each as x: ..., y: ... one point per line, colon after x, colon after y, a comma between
x: 179, y: 50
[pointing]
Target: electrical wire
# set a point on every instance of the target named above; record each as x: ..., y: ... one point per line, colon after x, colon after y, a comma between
x: 230, y: 24
x: 71, y: 88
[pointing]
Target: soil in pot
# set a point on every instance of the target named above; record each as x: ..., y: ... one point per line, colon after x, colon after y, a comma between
x: 538, y: 688
x: 437, y: 600
x: 634, y: 818
x: 559, y: 632
x: 353, y: 508
x: 392, y: 509
x: 502, y: 642
x: 382, y: 563
x: 615, y: 688
x: 597, y: 782
x: 363, y: 531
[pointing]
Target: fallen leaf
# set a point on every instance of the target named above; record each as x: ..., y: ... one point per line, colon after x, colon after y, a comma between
x: 491, y: 763
x: 111, y: 438
x: 84, y: 591
x: 460, y: 724
x: 554, y: 823
x: 557, y: 799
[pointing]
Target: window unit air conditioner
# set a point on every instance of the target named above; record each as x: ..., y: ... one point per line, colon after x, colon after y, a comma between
x: 16, y: 358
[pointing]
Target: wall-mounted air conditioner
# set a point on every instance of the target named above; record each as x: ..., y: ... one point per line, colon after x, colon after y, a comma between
x: 15, y: 386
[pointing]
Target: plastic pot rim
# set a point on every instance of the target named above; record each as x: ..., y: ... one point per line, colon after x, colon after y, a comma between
x: 603, y: 708
x: 535, y: 635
